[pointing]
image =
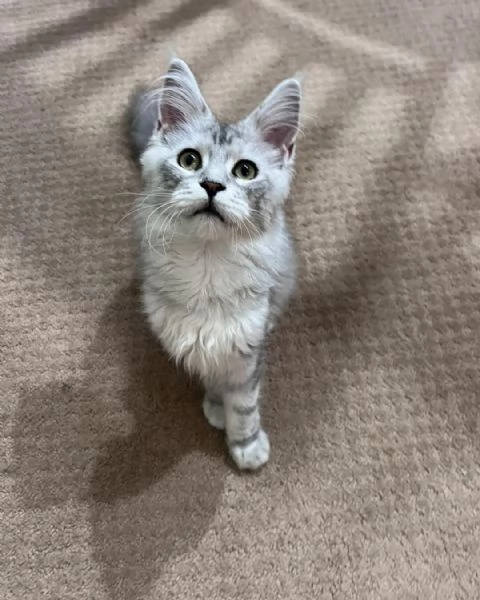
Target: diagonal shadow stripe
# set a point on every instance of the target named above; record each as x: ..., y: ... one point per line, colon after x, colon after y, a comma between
x: 312, y: 25
x: 98, y: 19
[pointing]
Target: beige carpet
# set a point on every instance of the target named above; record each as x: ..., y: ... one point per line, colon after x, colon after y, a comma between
x: 112, y: 485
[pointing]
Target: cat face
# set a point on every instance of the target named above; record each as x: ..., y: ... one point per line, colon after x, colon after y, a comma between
x: 207, y: 179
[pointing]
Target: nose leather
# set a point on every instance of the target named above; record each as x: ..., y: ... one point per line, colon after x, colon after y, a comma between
x: 212, y: 187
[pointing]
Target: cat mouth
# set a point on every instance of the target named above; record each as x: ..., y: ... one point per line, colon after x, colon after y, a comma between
x: 209, y: 211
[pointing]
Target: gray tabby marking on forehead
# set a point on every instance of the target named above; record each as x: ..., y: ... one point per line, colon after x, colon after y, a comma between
x: 224, y: 133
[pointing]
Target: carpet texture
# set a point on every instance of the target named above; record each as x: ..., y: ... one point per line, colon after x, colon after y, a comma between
x: 112, y: 485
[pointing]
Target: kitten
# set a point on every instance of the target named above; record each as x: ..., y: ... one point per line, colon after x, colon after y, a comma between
x: 218, y: 264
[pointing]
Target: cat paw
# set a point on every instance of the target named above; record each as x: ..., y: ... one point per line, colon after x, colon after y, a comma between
x: 253, y: 454
x: 214, y: 413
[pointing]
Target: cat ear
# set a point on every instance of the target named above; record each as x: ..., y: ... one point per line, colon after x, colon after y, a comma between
x: 278, y: 117
x: 181, y: 100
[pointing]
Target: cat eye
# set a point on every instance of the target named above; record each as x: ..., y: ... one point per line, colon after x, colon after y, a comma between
x: 189, y: 159
x: 245, y: 169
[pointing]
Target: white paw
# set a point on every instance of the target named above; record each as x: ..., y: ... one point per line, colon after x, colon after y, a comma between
x: 252, y: 456
x: 214, y: 413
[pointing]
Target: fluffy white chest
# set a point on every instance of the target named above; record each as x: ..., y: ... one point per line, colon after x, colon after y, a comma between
x: 206, y: 307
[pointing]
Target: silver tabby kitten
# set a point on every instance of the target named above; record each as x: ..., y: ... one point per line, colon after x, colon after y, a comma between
x: 218, y: 263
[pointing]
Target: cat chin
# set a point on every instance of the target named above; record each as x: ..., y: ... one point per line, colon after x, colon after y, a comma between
x: 207, y: 228
x: 204, y: 227
x: 213, y: 231
x: 219, y: 232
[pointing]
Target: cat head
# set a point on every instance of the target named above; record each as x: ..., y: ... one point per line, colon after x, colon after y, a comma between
x: 208, y: 179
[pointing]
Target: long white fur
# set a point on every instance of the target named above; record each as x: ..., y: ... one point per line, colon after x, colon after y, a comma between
x: 210, y: 317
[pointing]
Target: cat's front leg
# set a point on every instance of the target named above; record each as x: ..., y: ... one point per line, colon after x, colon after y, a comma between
x: 247, y: 441
x: 213, y: 409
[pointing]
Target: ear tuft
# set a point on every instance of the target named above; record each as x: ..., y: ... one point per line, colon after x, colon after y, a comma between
x: 278, y: 117
x: 181, y: 100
